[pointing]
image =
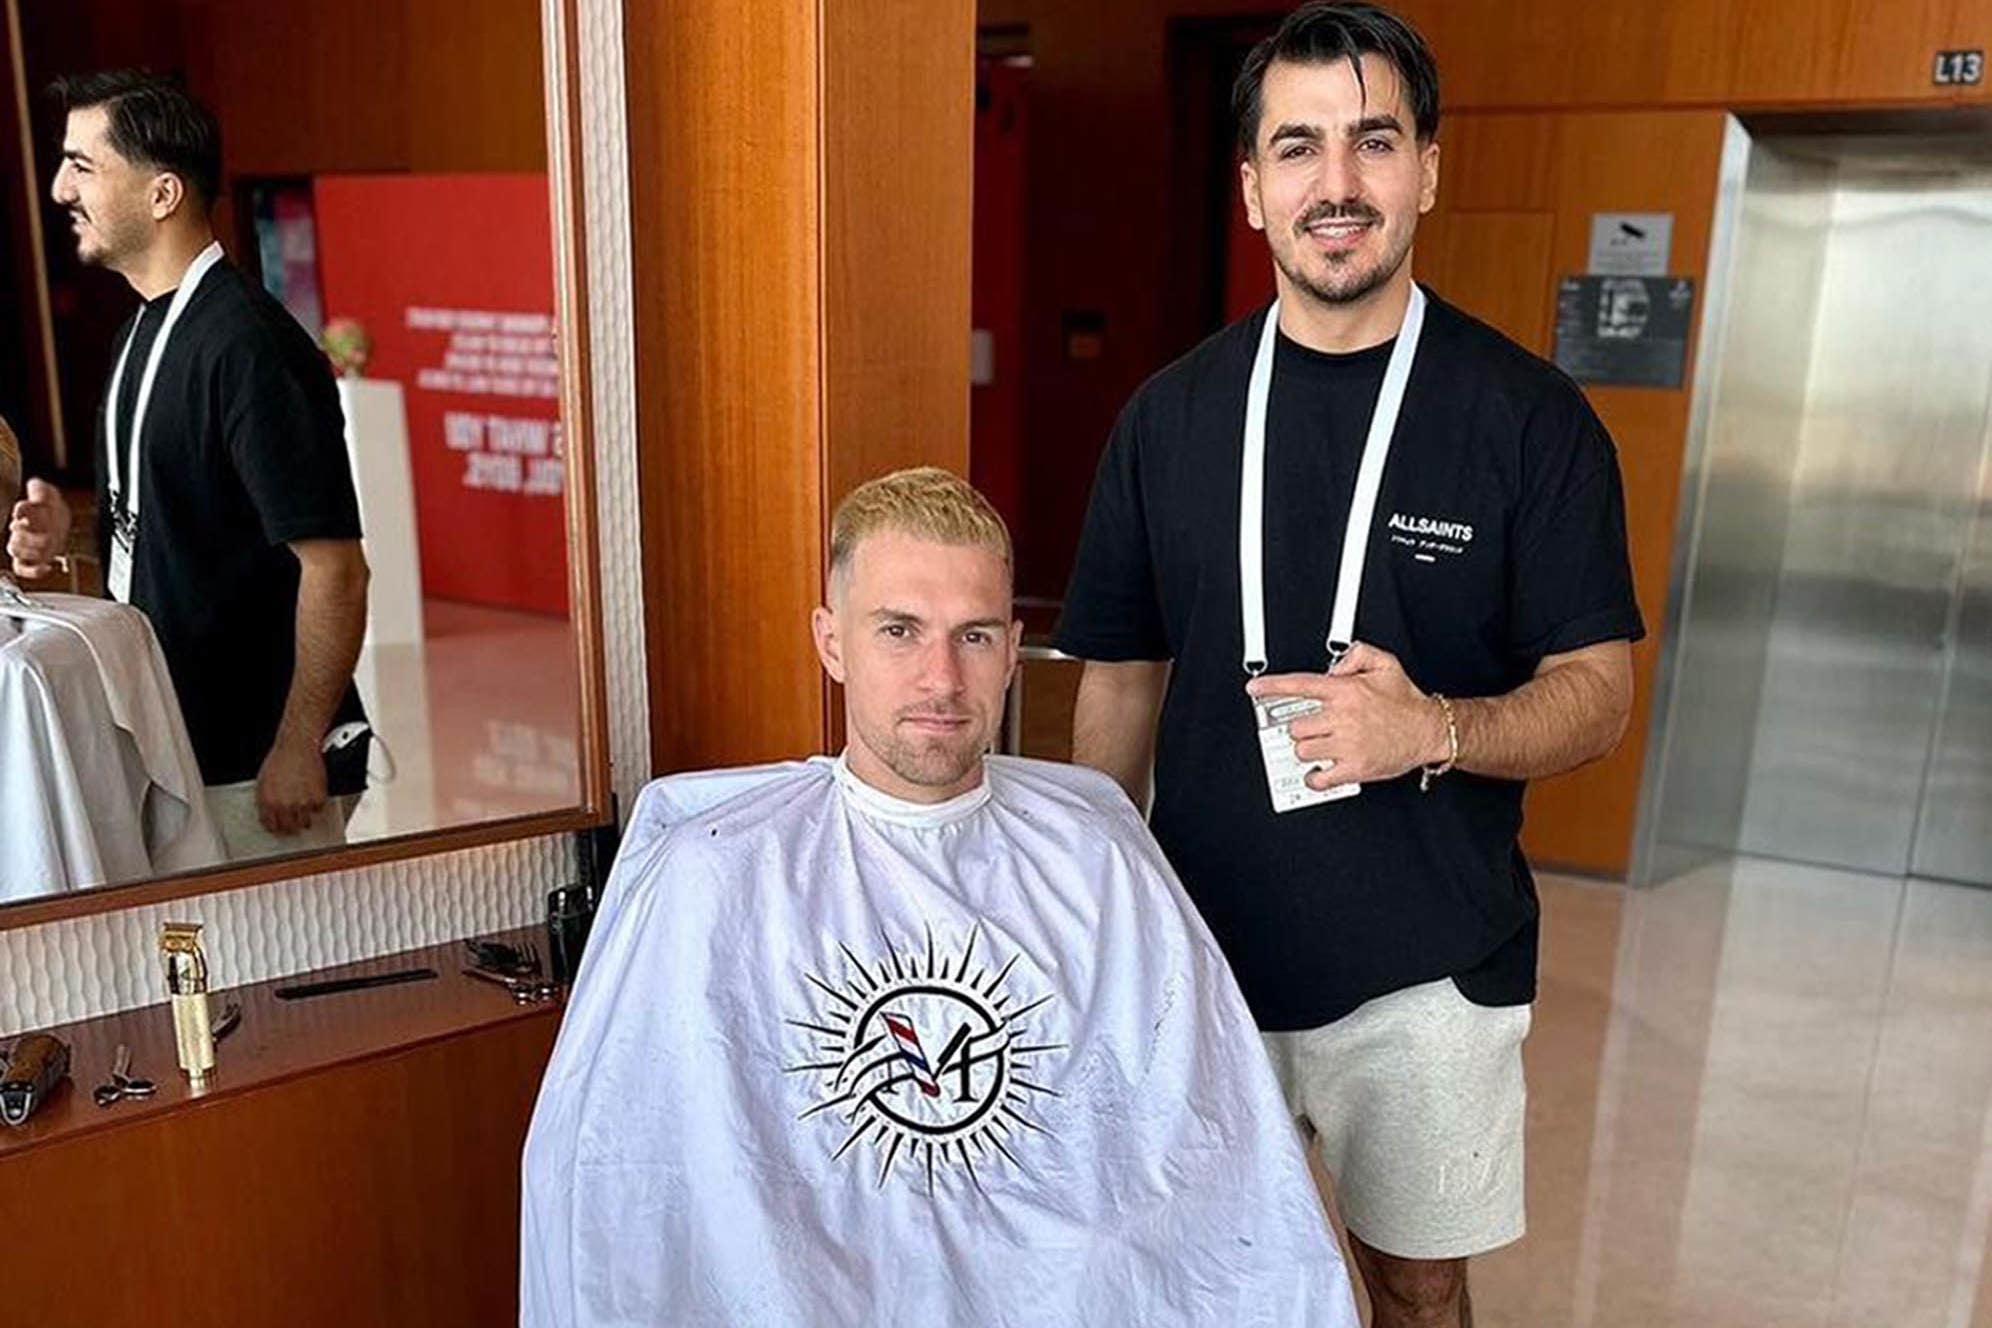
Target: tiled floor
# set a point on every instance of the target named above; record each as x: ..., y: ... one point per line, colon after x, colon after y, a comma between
x: 1761, y: 1097
x: 482, y: 721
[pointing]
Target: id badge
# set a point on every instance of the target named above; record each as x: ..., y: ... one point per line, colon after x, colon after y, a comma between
x: 117, y: 577
x: 1286, y: 773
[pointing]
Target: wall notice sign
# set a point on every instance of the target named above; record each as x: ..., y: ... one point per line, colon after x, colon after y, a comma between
x: 1631, y: 244
x: 1624, y: 331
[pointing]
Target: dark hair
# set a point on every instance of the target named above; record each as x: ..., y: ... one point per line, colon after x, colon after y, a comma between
x: 154, y: 122
x: 1323, y: 31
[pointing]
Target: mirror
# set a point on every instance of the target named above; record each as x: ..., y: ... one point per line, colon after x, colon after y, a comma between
x: 292, y: 552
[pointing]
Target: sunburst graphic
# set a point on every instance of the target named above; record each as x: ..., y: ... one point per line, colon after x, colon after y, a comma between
x: 925, y: 1064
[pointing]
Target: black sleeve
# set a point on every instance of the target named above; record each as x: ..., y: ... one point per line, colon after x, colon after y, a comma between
x: 287, y: 438
x: 1571, y: 578
x: 1111, y: 610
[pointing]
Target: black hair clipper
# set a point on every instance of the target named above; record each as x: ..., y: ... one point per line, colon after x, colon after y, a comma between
x: 34, y: 1067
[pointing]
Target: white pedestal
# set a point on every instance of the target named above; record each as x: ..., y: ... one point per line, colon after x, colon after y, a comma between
x: 377, y: 444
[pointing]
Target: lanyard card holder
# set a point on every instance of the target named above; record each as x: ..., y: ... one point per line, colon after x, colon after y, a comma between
x: 1286, y: 773
x: 123, y: 470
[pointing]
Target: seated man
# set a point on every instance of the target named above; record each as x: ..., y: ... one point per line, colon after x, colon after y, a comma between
x: 915, y: 1036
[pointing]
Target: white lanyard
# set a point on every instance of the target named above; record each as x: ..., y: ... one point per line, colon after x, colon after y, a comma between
x: 1362, y: 511
x: 120, y: 499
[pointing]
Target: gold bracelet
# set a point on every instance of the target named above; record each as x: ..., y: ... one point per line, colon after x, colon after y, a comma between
x: 1432, y: 772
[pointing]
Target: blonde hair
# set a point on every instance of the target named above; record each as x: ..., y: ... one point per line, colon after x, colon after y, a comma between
x: 10, y: 467
x: 926, y: 502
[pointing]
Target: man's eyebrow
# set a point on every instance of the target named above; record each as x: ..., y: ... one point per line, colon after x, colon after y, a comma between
x: 77, y: 155
x: 1292, y: 130
x: 891, y: 615
x: 1376, y: 124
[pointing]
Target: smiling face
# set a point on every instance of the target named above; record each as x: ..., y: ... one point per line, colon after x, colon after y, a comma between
x: 1337, y: 178
x: 112, y: 202
x: 920, y: 635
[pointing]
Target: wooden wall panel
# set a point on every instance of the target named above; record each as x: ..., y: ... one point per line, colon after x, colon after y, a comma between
x: 476, y: 94
x: 1971, y: 29
x: 1495, y: 265
x: 724, y: 188
x: 1621, y: 53
x: 801, y: 207
x: 301, y: 87
x: 897, y: 207
x: 1497, y: 162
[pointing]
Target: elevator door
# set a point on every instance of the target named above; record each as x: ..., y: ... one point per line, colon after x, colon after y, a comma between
x: 1873, y: 726
x: 1954, y: 833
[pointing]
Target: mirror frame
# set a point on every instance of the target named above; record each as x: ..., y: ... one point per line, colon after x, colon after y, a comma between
x: 560, y: 63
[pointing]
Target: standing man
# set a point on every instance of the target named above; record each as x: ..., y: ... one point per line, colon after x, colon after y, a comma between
x: 1345, y: 727
x: 224, y: 493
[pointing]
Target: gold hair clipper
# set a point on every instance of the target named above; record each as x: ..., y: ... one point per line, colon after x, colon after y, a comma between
x: 187, y: 981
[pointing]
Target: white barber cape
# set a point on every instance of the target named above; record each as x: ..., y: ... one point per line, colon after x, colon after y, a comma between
x: 837, y: 1059
x: 98, y: 781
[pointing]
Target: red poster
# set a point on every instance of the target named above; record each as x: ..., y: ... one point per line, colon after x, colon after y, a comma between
x: 452, y: 277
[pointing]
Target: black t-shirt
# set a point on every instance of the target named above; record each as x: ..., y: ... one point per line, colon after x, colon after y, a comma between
x: 1499, y: 538
x: 243, y: 451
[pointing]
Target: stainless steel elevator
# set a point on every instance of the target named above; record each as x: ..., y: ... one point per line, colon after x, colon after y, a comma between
x: 1826, y: 685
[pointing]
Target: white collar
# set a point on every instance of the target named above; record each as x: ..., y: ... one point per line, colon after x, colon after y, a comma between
x: 882, y: 806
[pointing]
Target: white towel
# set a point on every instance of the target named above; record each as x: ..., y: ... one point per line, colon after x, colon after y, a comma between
x: 98, y: 780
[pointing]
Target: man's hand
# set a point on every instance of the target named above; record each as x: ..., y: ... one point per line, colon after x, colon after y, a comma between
x: 38, y: 531
x: 1374, y: 724
x: 290, y: 790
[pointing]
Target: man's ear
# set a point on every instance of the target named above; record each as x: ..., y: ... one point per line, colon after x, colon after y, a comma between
x: 168, y: 195
x: 829, y: 645
x: 1248, y: 185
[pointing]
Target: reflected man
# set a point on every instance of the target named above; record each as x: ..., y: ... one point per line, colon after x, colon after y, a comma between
x: 226, y: 501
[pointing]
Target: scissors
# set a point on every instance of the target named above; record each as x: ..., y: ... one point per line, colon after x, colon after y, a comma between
x: 525, y: 991
x: 123, y: 1084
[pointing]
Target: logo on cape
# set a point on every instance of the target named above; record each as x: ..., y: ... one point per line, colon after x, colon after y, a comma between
x: 924, y: 1062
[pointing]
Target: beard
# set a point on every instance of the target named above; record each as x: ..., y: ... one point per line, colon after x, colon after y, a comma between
x: 930, y: 760
x: 106, y: 239
x: 1350, y: 276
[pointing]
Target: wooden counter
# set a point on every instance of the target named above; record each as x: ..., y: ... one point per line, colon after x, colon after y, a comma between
x: 353, y: 1160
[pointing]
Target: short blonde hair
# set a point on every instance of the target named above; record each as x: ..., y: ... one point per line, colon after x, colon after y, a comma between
x: 10, y: 467
x: 926, y: 502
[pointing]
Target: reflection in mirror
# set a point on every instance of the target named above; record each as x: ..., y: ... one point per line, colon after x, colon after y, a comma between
x: 286, y: 562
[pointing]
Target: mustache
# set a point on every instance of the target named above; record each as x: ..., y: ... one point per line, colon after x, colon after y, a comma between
x: 1350, y: 211
x: 935, y: 712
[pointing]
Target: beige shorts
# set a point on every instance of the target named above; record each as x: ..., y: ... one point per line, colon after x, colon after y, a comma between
x: 1416, y: 1102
